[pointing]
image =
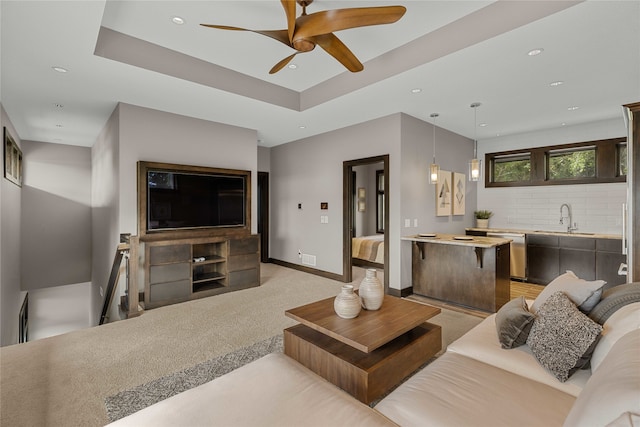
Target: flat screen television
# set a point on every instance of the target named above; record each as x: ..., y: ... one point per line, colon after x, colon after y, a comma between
x: 190, y: 198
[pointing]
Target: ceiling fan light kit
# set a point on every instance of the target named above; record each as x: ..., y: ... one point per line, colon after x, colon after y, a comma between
x: 307, y: 31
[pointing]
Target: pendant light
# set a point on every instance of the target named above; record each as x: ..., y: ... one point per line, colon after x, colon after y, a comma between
x: 475, y: 164
x: 434, y: 169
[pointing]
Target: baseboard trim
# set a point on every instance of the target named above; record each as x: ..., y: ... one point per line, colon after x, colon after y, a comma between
x: 309, y: 270
x: 401, y: 293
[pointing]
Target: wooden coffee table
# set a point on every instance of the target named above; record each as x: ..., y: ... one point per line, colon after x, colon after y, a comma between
x: 366, y: 356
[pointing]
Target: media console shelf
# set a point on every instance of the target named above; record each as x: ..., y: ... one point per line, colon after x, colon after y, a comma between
x: 177, y: 270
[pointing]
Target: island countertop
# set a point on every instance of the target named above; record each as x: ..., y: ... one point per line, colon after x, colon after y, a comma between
x: 458, y: 239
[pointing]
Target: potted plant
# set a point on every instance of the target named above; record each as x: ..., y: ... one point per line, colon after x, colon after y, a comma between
x: 482, y: 218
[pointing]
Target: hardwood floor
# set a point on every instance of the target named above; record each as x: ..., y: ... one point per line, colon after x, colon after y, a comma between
x: 529, y: 290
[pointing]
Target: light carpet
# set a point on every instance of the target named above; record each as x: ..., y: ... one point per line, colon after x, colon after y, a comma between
x: 454, y: 325
x: 64, y: 380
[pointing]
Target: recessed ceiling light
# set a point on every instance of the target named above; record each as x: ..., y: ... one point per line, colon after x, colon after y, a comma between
x: 483, y: 125
x: 293, y: 66
x: 177, y: 20
x: 534, y: 52
x: 558, y: 83
x: 60, y: 69
x: 302, y: 127
x: 416, y: 90
x: 573, y: 108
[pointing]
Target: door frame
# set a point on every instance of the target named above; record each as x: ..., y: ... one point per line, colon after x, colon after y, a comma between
x: 347, y: 214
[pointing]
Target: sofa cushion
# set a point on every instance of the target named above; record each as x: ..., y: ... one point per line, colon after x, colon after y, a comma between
x: 272, y: 391
x: 562, y: 338
x: 613, y: 299
x: 513, y: 323
x: 584, y: 294
x: 481, y: 343
x: 455, y: 390
x: 619, y: 324
x: 613, y: 389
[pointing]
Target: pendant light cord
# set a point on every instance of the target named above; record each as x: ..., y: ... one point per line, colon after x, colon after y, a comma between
x: 434, y: 115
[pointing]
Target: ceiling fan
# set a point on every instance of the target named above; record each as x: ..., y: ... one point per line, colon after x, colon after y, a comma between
x: 306, y: 31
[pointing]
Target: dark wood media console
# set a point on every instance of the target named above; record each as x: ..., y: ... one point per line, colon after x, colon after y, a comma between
x: 179, y: 270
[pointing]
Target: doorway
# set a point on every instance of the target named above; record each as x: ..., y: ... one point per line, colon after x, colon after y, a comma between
x: 263, y: 215
x: 350, y: 202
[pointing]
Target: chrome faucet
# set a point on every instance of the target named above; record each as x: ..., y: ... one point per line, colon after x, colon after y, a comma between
x: 572, y: 226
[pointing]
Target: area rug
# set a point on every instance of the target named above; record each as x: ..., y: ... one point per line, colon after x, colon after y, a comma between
x: 129, y: 401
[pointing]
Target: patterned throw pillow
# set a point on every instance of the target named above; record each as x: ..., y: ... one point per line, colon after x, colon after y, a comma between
x: 562, y: 338
x: 513, y: 323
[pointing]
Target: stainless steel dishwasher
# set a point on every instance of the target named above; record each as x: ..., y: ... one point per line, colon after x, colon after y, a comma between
x: 518, y: 253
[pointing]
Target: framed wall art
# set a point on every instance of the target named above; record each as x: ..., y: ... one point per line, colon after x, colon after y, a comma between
x: 443, y: 194
x: 458, y: 198
x: 12, y: 159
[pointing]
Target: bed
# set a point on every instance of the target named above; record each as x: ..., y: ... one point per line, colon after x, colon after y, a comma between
x: 368, y: 251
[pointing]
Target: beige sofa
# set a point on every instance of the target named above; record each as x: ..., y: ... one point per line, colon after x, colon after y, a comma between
x: 475, y: 383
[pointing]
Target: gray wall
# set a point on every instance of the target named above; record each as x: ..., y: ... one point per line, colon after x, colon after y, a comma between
x: 56, y: 215
x: 366, y: 178
x: 309, y: 171
x: 264, y: 159
x: 135, y: 133
x: 10, y: 210
x: 105, y: 179
x: 418, y: 197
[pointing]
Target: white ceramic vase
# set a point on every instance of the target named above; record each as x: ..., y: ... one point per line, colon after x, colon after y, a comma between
x: 347, y: 303
x: 371, y: 290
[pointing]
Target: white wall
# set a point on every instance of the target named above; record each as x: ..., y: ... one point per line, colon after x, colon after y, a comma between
x: 597, y: 208
x: 10, y: 210
x: 56, y: 215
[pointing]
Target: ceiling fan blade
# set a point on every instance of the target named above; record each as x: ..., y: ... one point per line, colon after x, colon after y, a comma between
x: 334, y: 47
x: 329, y: 21
x: 280, y: 65
x: 290, y: 11
x: 279, y: 35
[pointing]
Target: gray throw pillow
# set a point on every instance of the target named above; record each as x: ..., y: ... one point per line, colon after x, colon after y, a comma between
x: 513, y: 323
x: 584, y: 294
x: 614, y: 299
x: 562, y: 338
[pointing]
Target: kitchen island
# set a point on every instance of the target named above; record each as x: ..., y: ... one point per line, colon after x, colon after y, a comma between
x: 472, y: 271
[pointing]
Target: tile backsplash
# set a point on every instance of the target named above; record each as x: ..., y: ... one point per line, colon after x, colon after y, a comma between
x: 596, y: 208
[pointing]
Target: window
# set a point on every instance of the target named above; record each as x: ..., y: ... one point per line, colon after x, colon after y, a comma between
x: 622, y: 159
x: 579, y: 163
x: 512, y: 168
x: 572, y: 163
x: 380, y: 201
